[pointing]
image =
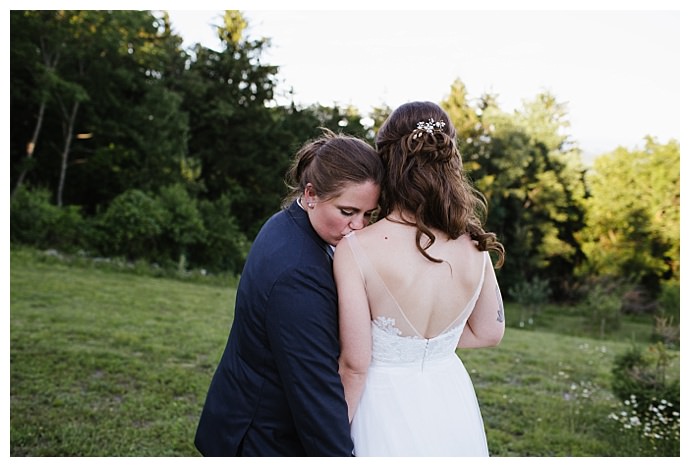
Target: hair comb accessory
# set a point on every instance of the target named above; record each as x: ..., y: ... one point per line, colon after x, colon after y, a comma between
x: 428, y: 126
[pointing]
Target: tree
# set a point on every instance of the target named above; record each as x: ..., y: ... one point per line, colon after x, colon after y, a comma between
x: 379, y: 114
x: 531, y: 179
x: 633, y: 215
x: 37, y: 64
x: 139, y: 131
x: 226, y: 94
x: 96, y: 77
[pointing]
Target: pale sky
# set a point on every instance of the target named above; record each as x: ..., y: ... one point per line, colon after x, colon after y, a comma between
x: 617, y: 71
x: 616, y: 64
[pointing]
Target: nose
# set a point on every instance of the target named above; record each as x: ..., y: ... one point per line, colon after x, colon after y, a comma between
x: 357, y: 223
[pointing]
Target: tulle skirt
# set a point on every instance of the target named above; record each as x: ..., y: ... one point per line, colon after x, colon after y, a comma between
x: 419, y: 410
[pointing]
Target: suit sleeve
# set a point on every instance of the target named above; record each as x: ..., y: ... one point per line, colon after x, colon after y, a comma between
x: 302, y: 326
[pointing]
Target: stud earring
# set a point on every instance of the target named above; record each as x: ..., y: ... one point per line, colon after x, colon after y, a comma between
x: 311, y: 205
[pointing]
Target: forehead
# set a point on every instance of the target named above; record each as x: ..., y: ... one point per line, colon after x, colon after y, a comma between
x: 363, y: 196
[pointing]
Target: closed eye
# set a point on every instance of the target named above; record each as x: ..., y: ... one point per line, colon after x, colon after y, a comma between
x: 350, y: 213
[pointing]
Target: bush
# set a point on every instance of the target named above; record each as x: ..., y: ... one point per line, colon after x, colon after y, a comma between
x: 182, y: 223
x: 132, y: 226
x: 35, y: 221
x: 225, y: 247
x: 669, y: 299
x: 531, y: 295
x: 32, y: 217
x: 666, y: 331
x: 644, y: 376
x: 604, y: 303
x: 650, y: 400
x: 637, y: 301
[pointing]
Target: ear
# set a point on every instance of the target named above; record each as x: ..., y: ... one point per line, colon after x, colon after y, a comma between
x: 309, y: 195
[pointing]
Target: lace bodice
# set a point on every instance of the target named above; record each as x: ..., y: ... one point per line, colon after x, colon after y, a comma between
x: 391, y: 348
x: 396, y: 340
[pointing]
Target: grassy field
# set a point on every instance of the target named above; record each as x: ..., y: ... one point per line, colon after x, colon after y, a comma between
x: 108, y: 363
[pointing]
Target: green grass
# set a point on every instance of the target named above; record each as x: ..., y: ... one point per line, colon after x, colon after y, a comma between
x: 112, y: 363
x: 107, y: 363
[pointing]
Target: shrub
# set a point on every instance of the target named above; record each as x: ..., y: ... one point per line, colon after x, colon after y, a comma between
x: 32, y: 217
x: 653, y: 430
x: 645, y: 376
x: 225, y: 247
x: 650, y: 400
x: 182, y: 223
x: 132, y: 226
x: 531, y: 295
x: 666, y: 331
x: 604, y: 302
x: 35, y: 221
x: 637, y: 301
x: 669, y: 299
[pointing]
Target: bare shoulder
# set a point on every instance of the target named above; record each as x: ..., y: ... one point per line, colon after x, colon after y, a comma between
x: 379, y: 232
x: 467, y: 244
x: 464, y: 251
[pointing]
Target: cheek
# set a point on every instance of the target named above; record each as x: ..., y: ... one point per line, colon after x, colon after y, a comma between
x: 337, y: 223
x: 329, y: 225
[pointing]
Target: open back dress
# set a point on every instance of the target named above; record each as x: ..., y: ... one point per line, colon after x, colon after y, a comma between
x: 418, y: 399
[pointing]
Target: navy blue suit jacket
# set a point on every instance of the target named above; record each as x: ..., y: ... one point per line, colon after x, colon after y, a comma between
x: 277, y: 391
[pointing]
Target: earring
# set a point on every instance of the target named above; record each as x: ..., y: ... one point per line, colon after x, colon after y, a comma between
x: 311, y: 205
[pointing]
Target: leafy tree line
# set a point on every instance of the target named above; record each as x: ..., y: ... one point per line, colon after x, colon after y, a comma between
x: 111, y: 117
x: 123, y: 143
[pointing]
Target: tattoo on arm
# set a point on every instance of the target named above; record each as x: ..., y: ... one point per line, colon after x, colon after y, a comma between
x: 501, y: 315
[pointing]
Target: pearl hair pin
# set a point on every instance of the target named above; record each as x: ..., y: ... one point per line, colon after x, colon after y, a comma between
x: 429, y: 126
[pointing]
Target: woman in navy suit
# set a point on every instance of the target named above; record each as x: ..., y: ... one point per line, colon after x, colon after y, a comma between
x: 277, y: 391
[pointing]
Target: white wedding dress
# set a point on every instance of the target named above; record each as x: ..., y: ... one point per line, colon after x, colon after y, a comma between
x: 418, y: 399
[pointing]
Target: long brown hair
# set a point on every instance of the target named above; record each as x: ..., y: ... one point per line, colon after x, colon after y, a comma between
x: 424, y: 176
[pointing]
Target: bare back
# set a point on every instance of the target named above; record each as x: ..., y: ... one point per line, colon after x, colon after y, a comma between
x: 424, y: 298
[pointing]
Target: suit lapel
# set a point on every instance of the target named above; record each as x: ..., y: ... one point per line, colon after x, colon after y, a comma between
x: 302, y: 220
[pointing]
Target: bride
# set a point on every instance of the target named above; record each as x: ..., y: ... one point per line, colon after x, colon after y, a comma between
x: 412, y: 288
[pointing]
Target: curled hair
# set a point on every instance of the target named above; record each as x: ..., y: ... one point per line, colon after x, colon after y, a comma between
x: 424, y: 176
x: 330, y: 163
